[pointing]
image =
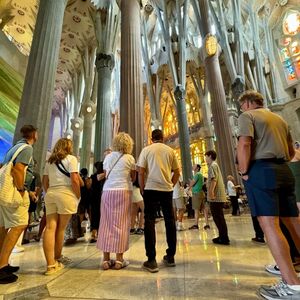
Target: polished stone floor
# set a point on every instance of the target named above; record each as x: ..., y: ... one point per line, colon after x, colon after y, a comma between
x: 203, y: 270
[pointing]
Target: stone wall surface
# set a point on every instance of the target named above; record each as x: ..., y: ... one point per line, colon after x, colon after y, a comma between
x: 290, y: 111
x: 10, y: 54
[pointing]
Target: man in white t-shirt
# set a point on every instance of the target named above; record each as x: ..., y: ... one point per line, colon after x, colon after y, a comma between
x: 156, y: 164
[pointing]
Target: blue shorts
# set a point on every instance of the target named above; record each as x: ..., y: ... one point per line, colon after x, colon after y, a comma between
x: 270, y: 189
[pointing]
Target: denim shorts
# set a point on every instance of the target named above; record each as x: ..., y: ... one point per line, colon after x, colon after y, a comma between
x: 270, y: 189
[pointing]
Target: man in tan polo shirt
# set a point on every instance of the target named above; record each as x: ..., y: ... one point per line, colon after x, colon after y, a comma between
x: 264, y: 148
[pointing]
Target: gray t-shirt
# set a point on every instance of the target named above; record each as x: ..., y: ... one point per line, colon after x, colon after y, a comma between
x: 214, y: 172
x: 268, y: 131
x: 24, y: 157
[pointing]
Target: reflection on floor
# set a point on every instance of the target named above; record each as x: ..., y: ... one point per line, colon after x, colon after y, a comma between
x: 203, y: 271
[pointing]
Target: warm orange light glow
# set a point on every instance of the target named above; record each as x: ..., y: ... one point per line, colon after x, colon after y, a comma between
x: 291, y: 24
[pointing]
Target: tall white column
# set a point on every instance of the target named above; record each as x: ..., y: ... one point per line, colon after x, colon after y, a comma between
x: 36, y: 102
x: 132, y: 107
x: 88, y: 110
x: 76, y: 126
x: 103, y: 130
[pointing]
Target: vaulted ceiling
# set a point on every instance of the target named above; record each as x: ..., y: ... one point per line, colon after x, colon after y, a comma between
x: 19, y: 16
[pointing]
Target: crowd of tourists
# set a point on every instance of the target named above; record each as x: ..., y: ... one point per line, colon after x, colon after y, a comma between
x: 125, y: 196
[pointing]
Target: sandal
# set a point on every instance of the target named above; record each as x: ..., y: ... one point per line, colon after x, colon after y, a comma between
x: 52, y: 269
x: 107, y: 264
x: 121, y: 264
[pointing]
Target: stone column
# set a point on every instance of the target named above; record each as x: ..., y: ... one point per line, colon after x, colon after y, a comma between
x: 36, y: 102
x: 131, y: 104
x: 183, y: 133
x: 76, y: 126
x: 222, y: 128
x: 257, y: 49
x: 88, y: 110
x: 208, y: 131
x: 51, y: 131
x: 103, y: 130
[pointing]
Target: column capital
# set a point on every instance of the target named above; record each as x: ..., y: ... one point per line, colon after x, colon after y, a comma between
x: 77, y: 124
x: 88, y: 108
x: 105, y: 61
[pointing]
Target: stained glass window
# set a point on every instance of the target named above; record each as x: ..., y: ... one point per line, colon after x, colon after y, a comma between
x: 289, y: 47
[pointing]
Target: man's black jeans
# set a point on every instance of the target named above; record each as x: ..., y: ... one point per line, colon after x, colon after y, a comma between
x: 153, y: 199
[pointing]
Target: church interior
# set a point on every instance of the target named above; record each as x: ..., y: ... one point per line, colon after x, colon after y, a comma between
x: 88, y: 69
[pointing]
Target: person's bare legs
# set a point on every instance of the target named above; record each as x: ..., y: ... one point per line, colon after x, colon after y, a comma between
x: 279, y: 248
x: 180, y: 214
x: 42, y: 226
x: 49, y: 238
x: 106, y: 256
x: 205, y: 212
x: 3, y: 233
x: 141, y: 219
x: 197, y: 216
x: 62, y: 223
x: 8, y: 243
x: 134, y: 210
x: 94, y: 234
x: 119, y: 256
x: 293, y: 226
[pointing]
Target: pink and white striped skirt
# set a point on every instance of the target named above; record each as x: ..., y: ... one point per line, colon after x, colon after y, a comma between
x: 114, y: 227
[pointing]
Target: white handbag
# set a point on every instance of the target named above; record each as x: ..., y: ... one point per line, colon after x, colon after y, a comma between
x: 9, y: 195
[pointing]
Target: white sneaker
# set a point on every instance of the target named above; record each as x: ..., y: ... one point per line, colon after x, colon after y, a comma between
x: 18, y: 249
x: 273, y: 269
x: 280, y: 291
x: 180, y: 226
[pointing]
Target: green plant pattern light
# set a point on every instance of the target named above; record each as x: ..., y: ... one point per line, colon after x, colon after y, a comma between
x: 11, y: 86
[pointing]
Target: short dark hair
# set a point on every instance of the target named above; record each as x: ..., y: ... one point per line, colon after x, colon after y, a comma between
x: 27, y: 131
x: 212, y: 154
x: 157, y: 135
x: 198, y: 167
x: 99, y: 166
x: 84, y: 171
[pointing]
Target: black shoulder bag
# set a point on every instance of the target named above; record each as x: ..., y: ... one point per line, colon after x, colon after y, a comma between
x: 62, y: 169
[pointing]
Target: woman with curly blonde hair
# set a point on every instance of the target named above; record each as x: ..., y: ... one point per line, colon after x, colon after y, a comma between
x: 119, y: 169
x: 62, y: 186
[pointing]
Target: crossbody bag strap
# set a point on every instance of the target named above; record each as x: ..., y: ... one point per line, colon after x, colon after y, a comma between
x: 62, y: 169
x: 114, y: 165
x: 18, y: 151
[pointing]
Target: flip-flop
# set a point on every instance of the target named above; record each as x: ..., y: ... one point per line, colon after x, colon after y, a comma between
x: 121, y: 264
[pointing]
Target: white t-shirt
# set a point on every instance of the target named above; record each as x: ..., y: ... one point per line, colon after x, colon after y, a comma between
x: 118, y: 177
x: 178, y: 190
x: 159, y: 160
x: 56, y: 177
x: 230, y: 188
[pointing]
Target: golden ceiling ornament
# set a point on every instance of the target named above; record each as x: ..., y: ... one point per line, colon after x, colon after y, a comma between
x: 211, y: 44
